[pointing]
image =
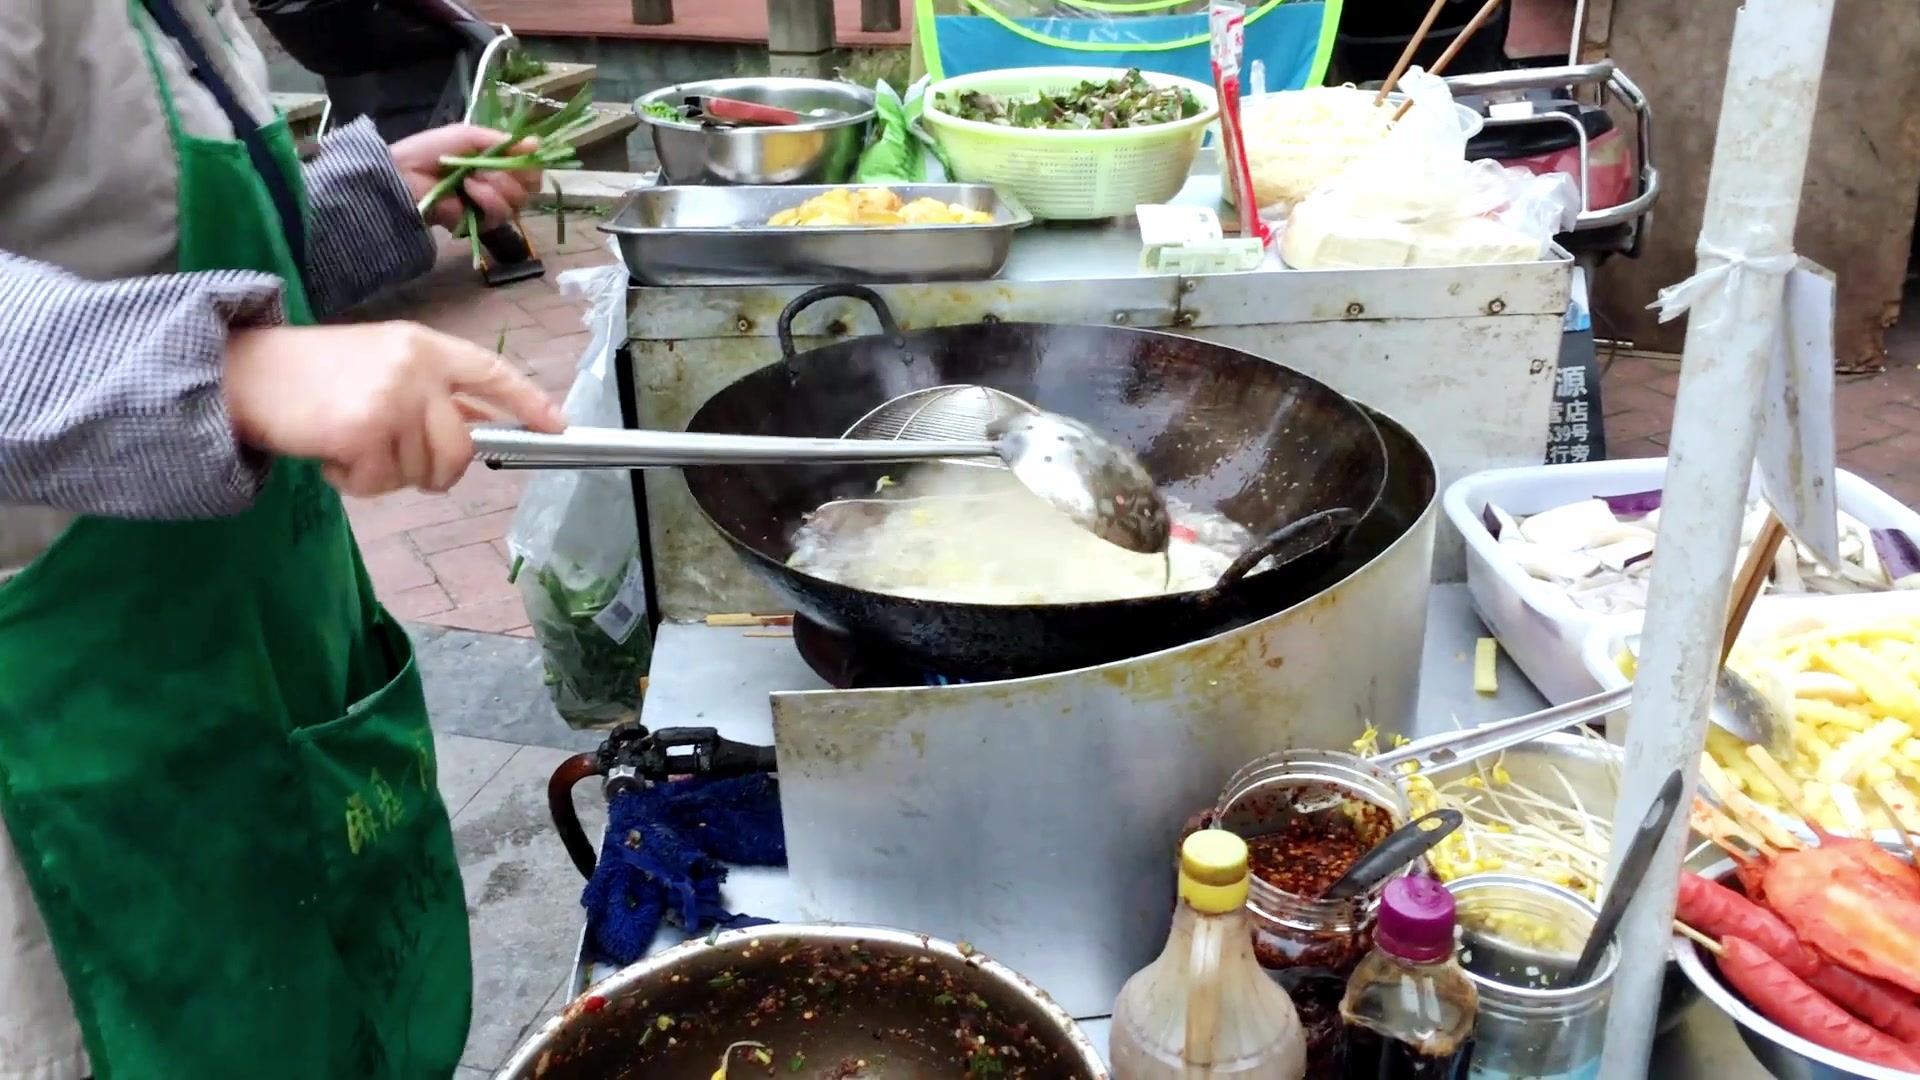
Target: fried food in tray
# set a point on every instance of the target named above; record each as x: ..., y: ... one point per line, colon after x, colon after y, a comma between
x: 878, y: 207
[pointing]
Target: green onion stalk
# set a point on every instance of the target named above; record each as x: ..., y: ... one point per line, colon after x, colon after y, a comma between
x: 553, y: 135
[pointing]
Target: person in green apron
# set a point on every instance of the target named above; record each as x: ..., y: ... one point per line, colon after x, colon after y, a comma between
x: 224, y: 851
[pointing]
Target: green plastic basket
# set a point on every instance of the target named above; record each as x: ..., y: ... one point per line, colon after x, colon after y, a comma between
x: 1069, y: 175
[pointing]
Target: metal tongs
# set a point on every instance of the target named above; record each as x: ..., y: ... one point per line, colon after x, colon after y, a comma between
x: 1737, y: 707
x: 1102, y: 487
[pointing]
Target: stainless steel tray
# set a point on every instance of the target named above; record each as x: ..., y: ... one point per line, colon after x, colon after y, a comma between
x: 698, y: 235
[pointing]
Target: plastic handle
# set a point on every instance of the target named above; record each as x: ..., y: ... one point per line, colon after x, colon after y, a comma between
x: 748, y: 112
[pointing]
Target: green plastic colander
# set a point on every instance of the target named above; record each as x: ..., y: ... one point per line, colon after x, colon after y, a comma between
x: 1069, y: 175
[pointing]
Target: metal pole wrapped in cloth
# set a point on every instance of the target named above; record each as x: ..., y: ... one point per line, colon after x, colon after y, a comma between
x: 1746, y: 251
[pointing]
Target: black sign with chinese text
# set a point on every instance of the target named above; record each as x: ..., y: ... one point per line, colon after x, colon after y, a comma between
x: 1576, y: 430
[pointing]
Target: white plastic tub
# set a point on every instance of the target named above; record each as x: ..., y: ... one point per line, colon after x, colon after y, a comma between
x: 1543, y: 630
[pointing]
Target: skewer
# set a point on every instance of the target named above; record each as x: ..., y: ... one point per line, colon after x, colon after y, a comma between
x: 1479, y: 19
x: 1906, y: 838
x: 1718, y: 826
x: 1898, y: 804
x: 1788, y: 788
x: 745, y: 618
x: 1406, y: 55
x: 1742, y: 809
x: 1699, y: 938
x: 1849, y: 809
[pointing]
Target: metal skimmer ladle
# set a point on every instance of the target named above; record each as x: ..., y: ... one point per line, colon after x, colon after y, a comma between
x: 1103, y: 488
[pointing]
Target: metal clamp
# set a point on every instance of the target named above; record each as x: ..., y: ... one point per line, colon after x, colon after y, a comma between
x: 633, y: 757
x: 1612, y: 82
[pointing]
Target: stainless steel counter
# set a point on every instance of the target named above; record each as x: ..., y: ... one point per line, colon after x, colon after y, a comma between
x: 718, y: 677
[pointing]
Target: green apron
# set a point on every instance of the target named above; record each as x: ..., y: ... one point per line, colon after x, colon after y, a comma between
x: 215, y: 761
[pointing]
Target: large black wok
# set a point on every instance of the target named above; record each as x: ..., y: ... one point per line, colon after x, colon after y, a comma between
x: 1280, y: 453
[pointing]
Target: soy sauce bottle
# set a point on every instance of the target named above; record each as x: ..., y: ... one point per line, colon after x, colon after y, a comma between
x: 1409, y: 1009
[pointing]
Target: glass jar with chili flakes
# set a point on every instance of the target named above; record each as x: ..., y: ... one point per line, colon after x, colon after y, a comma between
x: 1308, y: 815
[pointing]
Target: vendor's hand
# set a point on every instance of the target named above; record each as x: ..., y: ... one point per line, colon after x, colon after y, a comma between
x: 497, y: 193
x: 382, y: 406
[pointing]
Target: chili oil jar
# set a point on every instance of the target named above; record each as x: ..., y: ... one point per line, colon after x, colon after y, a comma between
x: 1519, y: 939
x: 1307, y: 815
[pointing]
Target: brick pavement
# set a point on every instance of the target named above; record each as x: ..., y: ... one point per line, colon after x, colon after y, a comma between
x: 1876, y: 417
x: 443, y: 559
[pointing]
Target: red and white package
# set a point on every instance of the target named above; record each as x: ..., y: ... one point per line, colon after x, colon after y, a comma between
x: 1227, y: 26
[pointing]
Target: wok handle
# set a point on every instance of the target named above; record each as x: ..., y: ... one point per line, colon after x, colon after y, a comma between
x: 889, y: 326
x: 1327, y: 528
x: 566, y: 820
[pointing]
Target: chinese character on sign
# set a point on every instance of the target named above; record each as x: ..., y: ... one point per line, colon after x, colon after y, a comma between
x: 1576, y: 412
x: 1569, y: 382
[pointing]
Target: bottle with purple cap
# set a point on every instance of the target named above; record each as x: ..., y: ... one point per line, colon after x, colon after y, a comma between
x: 1409, y: 1009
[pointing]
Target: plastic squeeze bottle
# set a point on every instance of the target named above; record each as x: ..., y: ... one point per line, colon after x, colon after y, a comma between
x: 1205, y: 1008
x: 1409, y: 1009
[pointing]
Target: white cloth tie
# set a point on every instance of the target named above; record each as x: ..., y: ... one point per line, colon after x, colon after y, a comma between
x: 1724, y: 267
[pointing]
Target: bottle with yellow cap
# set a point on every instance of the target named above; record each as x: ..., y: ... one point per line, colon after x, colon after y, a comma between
x: 1205, y: 1008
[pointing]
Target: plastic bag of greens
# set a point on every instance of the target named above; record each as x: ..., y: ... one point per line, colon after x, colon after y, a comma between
x: 576, y: 545
x: 901, y: 151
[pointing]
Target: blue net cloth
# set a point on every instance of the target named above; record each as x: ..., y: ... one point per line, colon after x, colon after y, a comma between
x: 666, y: 854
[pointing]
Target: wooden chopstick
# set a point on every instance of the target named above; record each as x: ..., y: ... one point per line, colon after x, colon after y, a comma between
x: 1749, y: 578
x: 1459, y: 42
x: 1406, y: 55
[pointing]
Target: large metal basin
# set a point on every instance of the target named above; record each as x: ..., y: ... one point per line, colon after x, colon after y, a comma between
x: 1781, y: 1053
x: 822, y: 151
x: 817, y: 997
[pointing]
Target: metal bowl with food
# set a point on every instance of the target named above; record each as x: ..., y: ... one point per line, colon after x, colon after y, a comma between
x: 1582, y: 772
x: 811, y: 1001
x: 1785, y: 1055
x: 823, y: 148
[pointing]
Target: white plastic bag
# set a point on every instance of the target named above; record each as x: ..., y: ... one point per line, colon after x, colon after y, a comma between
x: 576, y: 546
x: 1415, y: 200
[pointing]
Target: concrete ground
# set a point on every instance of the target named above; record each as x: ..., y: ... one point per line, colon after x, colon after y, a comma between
x: 441, y: 563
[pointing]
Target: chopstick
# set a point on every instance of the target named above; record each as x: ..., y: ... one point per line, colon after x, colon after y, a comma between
x: 1459, y: 42
x: 1406, y: 55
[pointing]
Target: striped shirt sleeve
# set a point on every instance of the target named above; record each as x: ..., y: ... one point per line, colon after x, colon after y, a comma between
x: 364, y: 236
x: 113, y: 401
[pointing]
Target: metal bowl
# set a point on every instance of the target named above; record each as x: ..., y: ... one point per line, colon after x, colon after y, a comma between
x: 817, y: 997
x: 1584, y: 763
x: 1786, y: 1056
x: 822, y: 151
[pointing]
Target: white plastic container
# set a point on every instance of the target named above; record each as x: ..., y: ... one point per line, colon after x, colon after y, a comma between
x: 1537, y: 624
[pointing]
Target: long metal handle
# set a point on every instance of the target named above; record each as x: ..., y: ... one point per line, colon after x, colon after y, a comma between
x: 1453, y: 747
x: 1530, y: 78
x: 618, y: 448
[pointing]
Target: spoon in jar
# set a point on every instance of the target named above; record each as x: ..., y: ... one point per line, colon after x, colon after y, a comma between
x: 1402, y: 846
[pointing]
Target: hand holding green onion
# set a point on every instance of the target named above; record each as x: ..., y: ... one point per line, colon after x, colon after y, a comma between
x: 486, y: 173
x: 495, y: 193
